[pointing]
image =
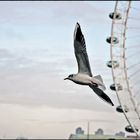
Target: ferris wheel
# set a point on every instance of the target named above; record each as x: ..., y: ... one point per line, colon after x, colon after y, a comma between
x: 125, y: 61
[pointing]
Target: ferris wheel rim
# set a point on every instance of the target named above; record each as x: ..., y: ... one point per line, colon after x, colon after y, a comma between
x: 125, y: 68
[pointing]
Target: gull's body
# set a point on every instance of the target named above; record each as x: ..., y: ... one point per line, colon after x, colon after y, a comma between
x: 84, y: 75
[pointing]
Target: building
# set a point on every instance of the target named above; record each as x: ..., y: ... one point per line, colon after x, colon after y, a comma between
x: 99, y: 134
x: 92, y: 136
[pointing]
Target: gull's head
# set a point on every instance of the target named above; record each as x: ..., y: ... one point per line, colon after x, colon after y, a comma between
x: 70, y: 77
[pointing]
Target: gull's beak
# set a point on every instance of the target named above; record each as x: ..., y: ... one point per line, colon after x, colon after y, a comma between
x: 66, y: 78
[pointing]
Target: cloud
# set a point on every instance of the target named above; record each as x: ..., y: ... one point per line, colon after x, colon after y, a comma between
x: 4, y: 53
x: 36, y: 79
x: 35, y: 71
x: 78, y: 10
x: 58, y: 123
x: 10, y: 61
x: 44, y: 85
x: 44, y: 12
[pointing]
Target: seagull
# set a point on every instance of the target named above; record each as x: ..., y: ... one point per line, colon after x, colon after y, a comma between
x: 84, y: 75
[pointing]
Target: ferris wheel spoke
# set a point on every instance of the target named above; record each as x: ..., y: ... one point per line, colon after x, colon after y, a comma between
x: 134, y: 28
x: 132, y: 18
x: 133, y: 47
x: 134, y: 36
x: 135, y: 8
x: 133, y: 65
x: 132, y: 55
x: 134, y: 73
x: 124, y: 74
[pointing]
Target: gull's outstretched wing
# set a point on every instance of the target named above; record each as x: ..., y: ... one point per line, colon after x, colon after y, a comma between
x: 102, y: 95
x: 80, y: 51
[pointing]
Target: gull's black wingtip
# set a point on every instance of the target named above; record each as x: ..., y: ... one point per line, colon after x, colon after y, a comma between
x: 102, y: 95
x: 112, y: 104
x: 78, y: 24
x: 109, y: 101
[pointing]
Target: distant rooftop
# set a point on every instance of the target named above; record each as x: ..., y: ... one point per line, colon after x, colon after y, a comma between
x: 92, y: 136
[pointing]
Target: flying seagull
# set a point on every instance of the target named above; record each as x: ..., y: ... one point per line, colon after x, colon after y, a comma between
x: 84, y: 75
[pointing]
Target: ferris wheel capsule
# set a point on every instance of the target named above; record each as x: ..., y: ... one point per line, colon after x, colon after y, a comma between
x: 119, y: 108
x: 116, y: 16
x: 128, y: 128
x: 116, y: 87
x: 113, y: 64
x: 125, y: 51
x: 114, y: 40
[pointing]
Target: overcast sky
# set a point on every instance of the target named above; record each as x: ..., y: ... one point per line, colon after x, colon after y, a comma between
x: 36, y: 54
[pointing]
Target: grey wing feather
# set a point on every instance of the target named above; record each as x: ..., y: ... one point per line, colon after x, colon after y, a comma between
x: 80, y: 52
x: 101, y: 80
x: 101, y: 94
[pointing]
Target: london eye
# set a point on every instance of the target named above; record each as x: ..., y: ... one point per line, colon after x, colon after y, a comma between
x: 124, y: 61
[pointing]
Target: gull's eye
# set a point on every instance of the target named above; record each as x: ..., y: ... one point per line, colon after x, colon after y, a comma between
x: 71, y: 75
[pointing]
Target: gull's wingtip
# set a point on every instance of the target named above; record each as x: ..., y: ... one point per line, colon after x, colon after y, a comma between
x: 78, y: 24
x: 77, y: 27
x: 102, y: 95
x: 112, y: 104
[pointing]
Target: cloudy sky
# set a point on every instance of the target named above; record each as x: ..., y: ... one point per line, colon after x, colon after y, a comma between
x: 36, y: 54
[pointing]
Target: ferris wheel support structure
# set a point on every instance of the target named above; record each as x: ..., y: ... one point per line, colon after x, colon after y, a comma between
x: 120, y: 73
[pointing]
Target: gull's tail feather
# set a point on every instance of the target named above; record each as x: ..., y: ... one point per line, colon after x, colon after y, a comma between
x: 102, y: 86
x: 99, y: 78
x: 102, y: 95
